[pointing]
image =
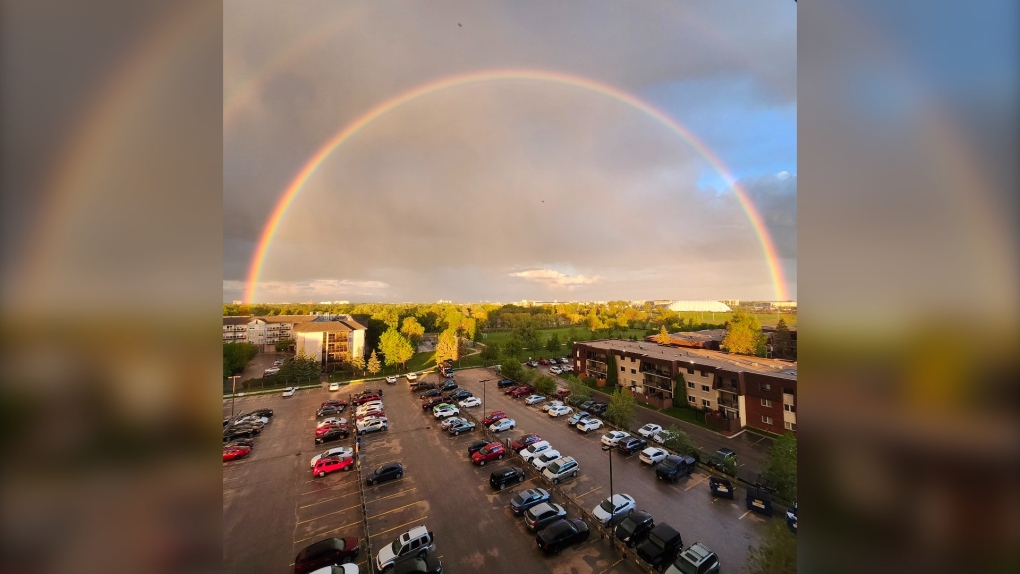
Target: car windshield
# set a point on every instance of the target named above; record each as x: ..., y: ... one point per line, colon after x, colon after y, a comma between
x: 485, y: 450
x: 686, y: 567
x: 656, y: 540
x: 607, y: 506
x: 554, y: 468
x: 628, y: 526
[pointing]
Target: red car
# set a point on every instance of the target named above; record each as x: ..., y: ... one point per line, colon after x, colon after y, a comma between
x: 524, y: 441
x: 366, y: 398
x: 324, y: 466
x: 235, y: 452
x: 522, y: 392
x: 543, y: 361
x: 378, y: 413
x: 562, y: 393
x: 428, y: 404
x: 493, y: 417
x: 323, y: 430
x: 491, y: 451
x: 511, y: 389
x: 334, y: 402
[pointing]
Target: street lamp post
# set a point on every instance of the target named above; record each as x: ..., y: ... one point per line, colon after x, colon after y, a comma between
x: 483, y: 381
x: 612, y: 502
x: 233, y: 392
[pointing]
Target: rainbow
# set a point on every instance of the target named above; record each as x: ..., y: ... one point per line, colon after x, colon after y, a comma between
x: 296, y: 184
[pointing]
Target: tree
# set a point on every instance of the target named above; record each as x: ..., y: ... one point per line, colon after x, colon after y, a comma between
x: 374, y: 366
x: 544, y: 385
x: 663, y: 337
x: 621, y: 408
x: 781, y: 466
x: 553, y: 344
x: 236, y: 356
x: 778, y: 552
x: 579, y: 393
x: 511, y: 368
x: 490, y: 352
x: 593, y: 322
x: 514, y: 348
x: 447, y: 346
x: 413, y: 330
x: 357, y: 363
x: 744, y: 336
x: 678, y: 441
x: 782, y: 339
x: 284, y: 345
x: 395, y: 347
x: 679, y: 387
x: 612, y: 376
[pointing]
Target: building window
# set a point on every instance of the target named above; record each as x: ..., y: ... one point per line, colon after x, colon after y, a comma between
x: 790, y: 408
x: 633, y: 372
x: 623, y: 369
x: 705, y: 388
x: 706, y: 403
x: 691, y: 399
x: 787, y: 391
x: 766, y: 403
x: 690, y: 385
x: 790, y: 426
x: 766, y: 419
x: 632, y: 359
x: 690, y: 370
x: 765, y: 386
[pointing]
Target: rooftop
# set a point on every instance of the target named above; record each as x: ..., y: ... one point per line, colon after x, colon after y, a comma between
x: 718, y: 359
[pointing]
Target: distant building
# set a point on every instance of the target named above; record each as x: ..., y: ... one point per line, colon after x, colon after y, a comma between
x: 236, y: 302
x: 703, y: 306
x: 706, y: 339
x: 330, y: 339
x: 783, y: 304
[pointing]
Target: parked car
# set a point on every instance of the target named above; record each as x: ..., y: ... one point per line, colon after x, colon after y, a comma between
x: 235, y: 452
x: 534, y: 399
x: 334, y: 402
x: 341, y: 451
x: 432, y: 403
x: 524, y: 441
x: 567, y: 369
x: 448, y: 423
x: 327, y: 553
x: 329, y: 410
x: 375, y: 425
x: 562, y: 393
x: 262, y: 412
x: 549, y: 405
x: 504, y: 383
x: 662, y: 436
x: 598, y: 408
x: 527, y: 498
x: 332, y: 464
x: 334, y: 386
x: 459, y: 395
x: 578, y: 417
x: 415, y: 543
x: 324, y: 429
x: 543, y: 460
x: 271, y: 371
x: 331, y: 434
x: 612, y: 510
x: 500, y: 479
x: 414, y: 565
x: 560, y: 469
x: 462, y: 426
x: 510, y: 390
x: 555, y: 370
x: 331, y: 421
x: 589, y: 424
x: 719, y: 458
x: 430, y: 393
x: 653, y: 454
x: 448, y: 385
x: 560, y: 411
x: 240, y: 442
x: 586, y: 405
x: 391, y: 380
x: 278, y: 363
x: 698, y: 559
x: 543, y: 361
x: 562, y: 533
x: 411, y: 377
x: 391, y: 471
x: 234, y: 433
x: 492, y: 451
x: 673, y: 467
x: 564, y: 360
x: 541, y: 515
x: 661, y: 547
x: 613, y: 437
x: 522, y: 392
x: 289, y: 391
x: 502, y: 425
x: 251, y: 419
x: 532, y: 363
x: 649, y: 430
x: 446, y: 411
x: 470, y: 402
x: 476, y: 446
x: 791, y: 518
x: 493, y: 417
x: 631, y: 445
x: 367, y: 398
x: 633, y: 529
x: 534, y: 449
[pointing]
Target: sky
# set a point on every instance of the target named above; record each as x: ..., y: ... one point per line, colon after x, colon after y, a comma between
x: 516, y: 187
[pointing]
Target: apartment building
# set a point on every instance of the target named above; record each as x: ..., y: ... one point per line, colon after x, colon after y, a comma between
x: 330, y: 340
x: 267, y: 331
x: 737, y: 391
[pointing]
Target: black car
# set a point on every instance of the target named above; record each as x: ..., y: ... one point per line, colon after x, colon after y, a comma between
x: 673, y: 467
x: 262, y: 412
x: 429, y: 565
x: 719, y: 458
x: 477, y: 446
x: 597, y: 409
x: 386, y: 472
x: 586, y: 405
x: 631, y: 445
x: 448, y: 385
x: 430, y: 393
x: 329, y: 410
x: 500, y: 479
x: 562, y: 533
x: 236, y: 433
x: 634, y: 528
x: 527, y: 498
x: 335, y: 433
x: 504, y: 383
x: 241, y: 442
x: 662, y: 546
x: 424, y: 386
x: 459, y: 395
x: 326, y: 553
x: 538, y: 517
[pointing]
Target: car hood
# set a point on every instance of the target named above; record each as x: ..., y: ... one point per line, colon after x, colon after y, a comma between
x: 385, y: 555
x: 600, y: 514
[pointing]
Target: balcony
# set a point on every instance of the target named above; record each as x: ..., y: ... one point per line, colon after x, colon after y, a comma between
x: 729, y: 403
x: 651, y: 370
x: 726, y: 385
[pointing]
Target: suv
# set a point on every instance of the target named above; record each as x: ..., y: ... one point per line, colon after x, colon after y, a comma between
x: 719, y: 458
x: 631, y: 445
x: 500, y: 479
x: 673, y: 467
x: 494, y: 451
x: 589, y: 424
x: 662, y: 546
x: 522, y: 392
x: 598, y: 408
x: 504, y: 383
x: 448, y: 385
x: 534, y: 449
x: 560, y: 469
x: 578, y: 417
x: 697, y: 559
x: 416, y: 542
x: 634, y: 528
x: 493, y: 417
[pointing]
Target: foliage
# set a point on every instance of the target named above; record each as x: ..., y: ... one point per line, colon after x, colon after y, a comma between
x: 589, y: 381
x: 744, y: 336
x: 781, y: 466
x: 783, y: 341
x: 300, y: 368
x: 778, y: 552
x: 612, y: 374
x: 730, y: 466
x: 413, y: 330
x: 447, y: 347
x: 593, y: 322
x: 284, y: 345
x: 679, y: 388
x: 527, y: 376
x: 490, y: 352
x: 357, y: 363
x: 553, y: 343
x: 512, y: 369
x: 236, y: 356
x: 513, y: 349
x: 527, y: 335
x: 663, y: 337
x: 396, y: 348
x: 572, y: 337
x: 374, y: 366
x: 544, y: 385
x: 678, y: 441
x: 579, y: 393
x: 621, y: 408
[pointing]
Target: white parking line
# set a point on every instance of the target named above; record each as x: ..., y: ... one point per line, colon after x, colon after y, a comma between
x: 699, y: 481
x: 330, y: 498
x: 744, y: 514
x: 394, y: 510
x: 422, y: 519
x: 390, y: 496
x: 329, y: 514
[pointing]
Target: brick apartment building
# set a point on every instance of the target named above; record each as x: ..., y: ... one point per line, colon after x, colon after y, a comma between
x: 738, y: 391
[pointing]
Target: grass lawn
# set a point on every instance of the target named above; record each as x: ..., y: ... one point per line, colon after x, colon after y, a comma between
x: 501, y: 338
x: 687, y: 415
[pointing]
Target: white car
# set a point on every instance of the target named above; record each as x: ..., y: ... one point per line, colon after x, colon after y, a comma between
x: 289, y: 391
x: 341, y: 451
x: 649, y: 430
x: 662, y: 436
x: 555, y: 370
x: 411, y: 377
x: 534, y: 449
x: 551, y: 405
x: 374, y: 411
x: 534, y: 399
x: 560, y: 410
x: 391, y: 380
x: 502, y: 425
x: 331, y: 421
x: 612, y: 510
x: 653, y: 454
x: 446, y: 412
x: 334, y: 386
x: 588, y: 425
x: 541, y: 461
x: 470, y: 402
x: 567, y: 369
x: 252, y: 419
x: 613, y: 437
x: 271, y: 371
x: 452, y: 421
x: 372, y: 425
x: 278, y: 363
x: 362, y: 409
x: 337, y: 569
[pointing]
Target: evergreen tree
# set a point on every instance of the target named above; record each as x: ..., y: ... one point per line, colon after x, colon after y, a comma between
x: 612, y: 376
x: 374, y: 366
x: 663, y: 337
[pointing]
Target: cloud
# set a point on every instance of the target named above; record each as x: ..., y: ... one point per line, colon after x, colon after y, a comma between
x: 279, y: 291
x: 553, y: 278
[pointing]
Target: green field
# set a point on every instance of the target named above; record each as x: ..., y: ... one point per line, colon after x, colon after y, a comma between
x: 501, y: 338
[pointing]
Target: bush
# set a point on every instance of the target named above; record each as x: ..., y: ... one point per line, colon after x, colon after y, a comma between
x: 678, y: 441
x: 589, y: 382
x: 621, y: 408
x: 544, y: 385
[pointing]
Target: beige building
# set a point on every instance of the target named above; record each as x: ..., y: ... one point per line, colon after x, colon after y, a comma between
x: 265, y: 332
x: 330, y: 341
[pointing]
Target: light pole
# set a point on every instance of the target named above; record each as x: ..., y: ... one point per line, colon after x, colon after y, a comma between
x: 483, y: 381
x: 612, y: 502
x: 233, y: 391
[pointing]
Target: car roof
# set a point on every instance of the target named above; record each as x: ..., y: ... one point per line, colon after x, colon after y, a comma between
x: 415, y: 532
x: 697, y: 553
x: 665, y: 531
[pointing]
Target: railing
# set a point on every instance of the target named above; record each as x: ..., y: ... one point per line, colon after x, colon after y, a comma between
x: 729, y: 403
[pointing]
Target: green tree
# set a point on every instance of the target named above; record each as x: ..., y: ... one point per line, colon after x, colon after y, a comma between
x: 678, y: 441
x: 514, y: 348
x: 777, y: 554
x: 527, y: 376
x: 593, y: 322
x: 679, y: 387
x: 357, y: 363
x: 621, y: 408
x: 284, y: 345
x: 413, y: 330
x: 490, y: 352
x: 744, y: 336
x: 374, y: 366
x: 663, y: 337
x: 511, y: 368
x: 572, y: 337
x: 236, y: 356
x: 612, y: 375
x: 579, y: 393
x: 781, y: 466
x: 782, y: 339
x: 447, y: 347
x: 553, y: 344
x: 544, y: 385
